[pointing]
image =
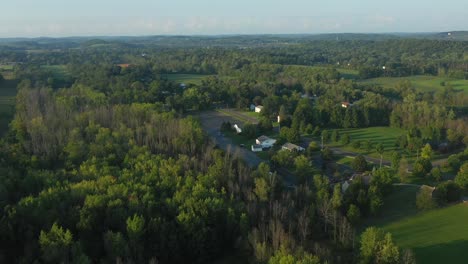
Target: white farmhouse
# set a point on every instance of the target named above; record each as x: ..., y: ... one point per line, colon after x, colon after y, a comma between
x: 265, y: 141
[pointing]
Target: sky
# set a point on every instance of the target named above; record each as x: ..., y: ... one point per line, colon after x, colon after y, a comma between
x: 60, y: 18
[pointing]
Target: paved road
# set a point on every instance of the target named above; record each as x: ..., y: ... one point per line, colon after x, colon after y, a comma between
x: 211, y: 122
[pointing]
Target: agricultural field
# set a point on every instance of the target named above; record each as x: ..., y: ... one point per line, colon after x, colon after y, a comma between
x: 437, y: 236
x: 420, y: 82
x: 186, y: 78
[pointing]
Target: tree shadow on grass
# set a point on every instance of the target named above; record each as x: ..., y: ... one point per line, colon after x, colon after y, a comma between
x: 454, y: 252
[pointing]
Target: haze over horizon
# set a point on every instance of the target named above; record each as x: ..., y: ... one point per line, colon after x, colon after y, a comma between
x: 54, y: 18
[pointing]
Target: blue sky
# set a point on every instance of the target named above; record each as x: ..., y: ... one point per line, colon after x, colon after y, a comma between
x: 33, y: 18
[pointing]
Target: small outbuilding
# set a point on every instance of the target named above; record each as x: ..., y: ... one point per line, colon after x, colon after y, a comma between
x: 257, y: 148
x: 237, y: 128
x: 258, y: 108
x: 292, y: 147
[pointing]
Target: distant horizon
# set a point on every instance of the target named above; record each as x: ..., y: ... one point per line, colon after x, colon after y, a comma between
x: 56, y: 18
x: 236, y: 34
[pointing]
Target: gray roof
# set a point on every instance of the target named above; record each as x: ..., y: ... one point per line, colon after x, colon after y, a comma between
x: 263, y: 138
x: 291, y: 146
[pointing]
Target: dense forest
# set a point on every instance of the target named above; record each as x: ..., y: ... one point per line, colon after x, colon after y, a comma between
x: 105, y: 162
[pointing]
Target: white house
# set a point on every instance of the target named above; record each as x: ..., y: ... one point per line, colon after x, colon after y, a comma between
x: 237, y: 128
x: 292, y: 147
x: 265, y: 141
x: 257, y: 148
x: 258, y: 108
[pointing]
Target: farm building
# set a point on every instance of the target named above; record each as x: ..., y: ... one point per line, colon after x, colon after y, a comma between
x: 292, y: 147
x: 257, y: 148
x: 265, y: 141
x: 258, y: 108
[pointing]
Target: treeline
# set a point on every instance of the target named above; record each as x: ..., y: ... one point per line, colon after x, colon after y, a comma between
x: 85, y: 180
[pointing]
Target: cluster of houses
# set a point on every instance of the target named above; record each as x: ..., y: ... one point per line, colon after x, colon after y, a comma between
x: 263, y: 143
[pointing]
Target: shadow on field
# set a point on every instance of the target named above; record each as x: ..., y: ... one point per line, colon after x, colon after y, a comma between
x: 454, y: 252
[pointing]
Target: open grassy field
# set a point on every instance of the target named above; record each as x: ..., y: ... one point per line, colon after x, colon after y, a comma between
x: 437, y: 236
x: 385, y: 135
x: 6, y: 67
x: 186, y: 78
x: 420, y: 82
x: 58, y: 71
x: 398, y: 205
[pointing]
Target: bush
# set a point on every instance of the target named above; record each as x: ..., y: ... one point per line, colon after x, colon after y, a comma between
x: 356, y: 144
x: 335, y: 135
x: 250, y: 131
x: 345, y: 139
x: 424, y: 200
x: 327, y: 154
x: 447, y: 192
x: 359, y: 164
x: 226, y: 126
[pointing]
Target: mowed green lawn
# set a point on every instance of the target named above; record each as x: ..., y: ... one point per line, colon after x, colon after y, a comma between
x: 437, y: 236
x: 385, y: 135
x: 186, y: 78
x: 420, y: 82
x: 399, y: 204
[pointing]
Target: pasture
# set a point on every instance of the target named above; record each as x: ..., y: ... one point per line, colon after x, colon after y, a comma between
x: 437, y: 236
x: 420, y: 82
x: 186, y: 78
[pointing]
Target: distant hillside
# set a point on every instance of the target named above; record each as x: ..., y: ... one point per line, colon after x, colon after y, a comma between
x: 216, y: 40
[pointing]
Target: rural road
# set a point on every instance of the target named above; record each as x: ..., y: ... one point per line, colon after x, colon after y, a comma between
x: 211, y: 122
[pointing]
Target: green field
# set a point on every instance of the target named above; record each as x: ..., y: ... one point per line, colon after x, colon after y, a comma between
x: 438, y: 236
x: 399, y: 204
x: 420, y: 82
x: 345, y: 72
x: 6, y: 67
x: 345, y: 160
x: 385, y: 135
x: 186, y: 78
x: 58, y: 71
